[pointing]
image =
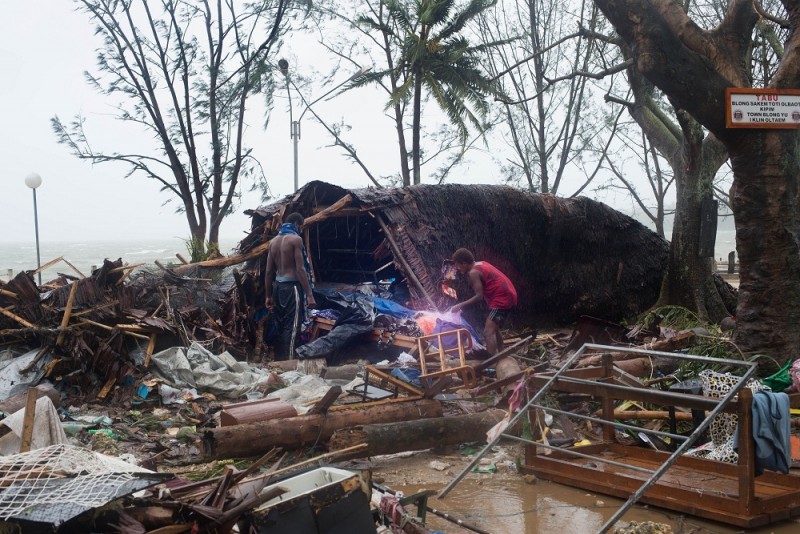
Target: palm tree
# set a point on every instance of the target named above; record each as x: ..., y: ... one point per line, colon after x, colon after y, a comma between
x: 434, y: 55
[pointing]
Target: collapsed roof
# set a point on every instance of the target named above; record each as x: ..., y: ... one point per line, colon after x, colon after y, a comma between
x: 567, y: 256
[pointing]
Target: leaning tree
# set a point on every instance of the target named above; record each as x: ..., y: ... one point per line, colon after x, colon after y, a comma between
x: 181, y: 74
x: 693, y: 67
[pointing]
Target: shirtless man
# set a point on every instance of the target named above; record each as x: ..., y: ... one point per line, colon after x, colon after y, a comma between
x: 491, y: 285
x: 286, y: 266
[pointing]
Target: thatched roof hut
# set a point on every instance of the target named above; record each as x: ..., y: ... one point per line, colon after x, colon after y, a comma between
x: 567, y: 257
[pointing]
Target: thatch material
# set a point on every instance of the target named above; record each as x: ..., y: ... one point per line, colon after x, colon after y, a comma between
x: 567, y: 257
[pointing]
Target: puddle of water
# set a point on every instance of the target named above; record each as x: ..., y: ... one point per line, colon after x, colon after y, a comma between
x: 506, y: 504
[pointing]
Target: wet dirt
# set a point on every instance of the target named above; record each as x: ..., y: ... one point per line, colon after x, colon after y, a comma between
x: 507, y: 502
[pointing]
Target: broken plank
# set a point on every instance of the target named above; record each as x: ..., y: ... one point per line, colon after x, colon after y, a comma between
x: 151, y: 346
x: 8, y: 293
x: 109, y: 328
x: 107, y: 387
x: 322, y: 405
x: 74, y: 268
x: 20, y: 320
x: 67, y: 312
x: 28, y: 420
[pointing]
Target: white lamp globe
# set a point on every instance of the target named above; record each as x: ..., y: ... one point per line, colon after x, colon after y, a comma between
x: 33, y: 180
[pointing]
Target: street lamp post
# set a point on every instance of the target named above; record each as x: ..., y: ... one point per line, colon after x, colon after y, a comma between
x: 33, y: 181
x: 294, y: 130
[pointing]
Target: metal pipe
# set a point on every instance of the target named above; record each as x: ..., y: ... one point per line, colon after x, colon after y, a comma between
x: 36, y: 226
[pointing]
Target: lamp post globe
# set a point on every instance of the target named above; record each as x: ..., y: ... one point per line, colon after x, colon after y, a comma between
x: 33, y: 181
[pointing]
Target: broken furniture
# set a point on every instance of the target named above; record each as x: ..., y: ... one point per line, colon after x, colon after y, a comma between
x: 729, y: 493
x: 434, y: 345
x: 379, y: 385
x: 326, y: 500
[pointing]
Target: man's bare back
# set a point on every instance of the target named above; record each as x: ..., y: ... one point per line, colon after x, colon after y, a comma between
x: 285, y: 260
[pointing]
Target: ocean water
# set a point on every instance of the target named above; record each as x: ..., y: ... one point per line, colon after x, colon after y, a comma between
x: 16, y: 257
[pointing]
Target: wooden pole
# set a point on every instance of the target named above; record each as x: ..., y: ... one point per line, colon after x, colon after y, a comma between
x: 28, y: 420
x: 294, y: 432
x: 390, y: 438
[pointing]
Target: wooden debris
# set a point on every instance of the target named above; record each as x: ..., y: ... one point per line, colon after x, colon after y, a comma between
x: 293, y: 432
x: 67, y: 311
x: 27, y: 423
x: 17, y: 402
x: 255, y: 411
x: 421, y: 434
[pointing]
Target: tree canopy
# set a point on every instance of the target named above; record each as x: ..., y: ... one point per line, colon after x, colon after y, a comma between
x: 181, y: 74
x: 693, y: 66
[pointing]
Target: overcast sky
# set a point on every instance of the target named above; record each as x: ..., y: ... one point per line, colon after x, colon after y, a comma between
x: 45, y: 46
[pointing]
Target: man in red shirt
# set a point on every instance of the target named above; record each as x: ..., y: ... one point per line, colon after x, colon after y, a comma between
x: 489, y: 284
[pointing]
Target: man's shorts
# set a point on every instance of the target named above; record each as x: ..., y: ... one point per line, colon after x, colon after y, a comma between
x: 498, y: 316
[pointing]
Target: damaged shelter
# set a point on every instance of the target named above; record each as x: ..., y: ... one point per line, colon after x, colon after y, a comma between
x: 566, y: 257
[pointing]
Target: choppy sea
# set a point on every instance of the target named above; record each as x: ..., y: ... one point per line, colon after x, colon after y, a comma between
x: 16, y: 257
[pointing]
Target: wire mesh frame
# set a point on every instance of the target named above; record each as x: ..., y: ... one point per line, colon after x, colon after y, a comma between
x: 62, y: 475
x: 721, y: 403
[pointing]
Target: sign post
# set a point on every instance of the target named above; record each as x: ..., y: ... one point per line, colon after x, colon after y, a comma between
x: 762, y: 108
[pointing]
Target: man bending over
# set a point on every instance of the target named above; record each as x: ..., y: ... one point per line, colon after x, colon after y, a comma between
x: 490, y: 284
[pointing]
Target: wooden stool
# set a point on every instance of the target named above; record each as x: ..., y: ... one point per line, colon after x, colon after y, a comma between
x: 436, y: 343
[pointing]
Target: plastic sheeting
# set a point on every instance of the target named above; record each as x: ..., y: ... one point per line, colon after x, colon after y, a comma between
x: 198, y: 368
x: 47, y: 429
x: 356, y: 315
x: 12, y: 381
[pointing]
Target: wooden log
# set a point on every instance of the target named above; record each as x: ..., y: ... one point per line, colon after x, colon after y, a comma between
x: 329, y: 211
x: 404, y: 436
x: 263, y: 247
x: 673, y: 344
x: 294, y: 432
x: 255, y: 411
x: 17, y: 402
x: 28, y: 420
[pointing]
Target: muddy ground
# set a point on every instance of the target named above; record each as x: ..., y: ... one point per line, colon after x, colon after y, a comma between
x: 507, y: 502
